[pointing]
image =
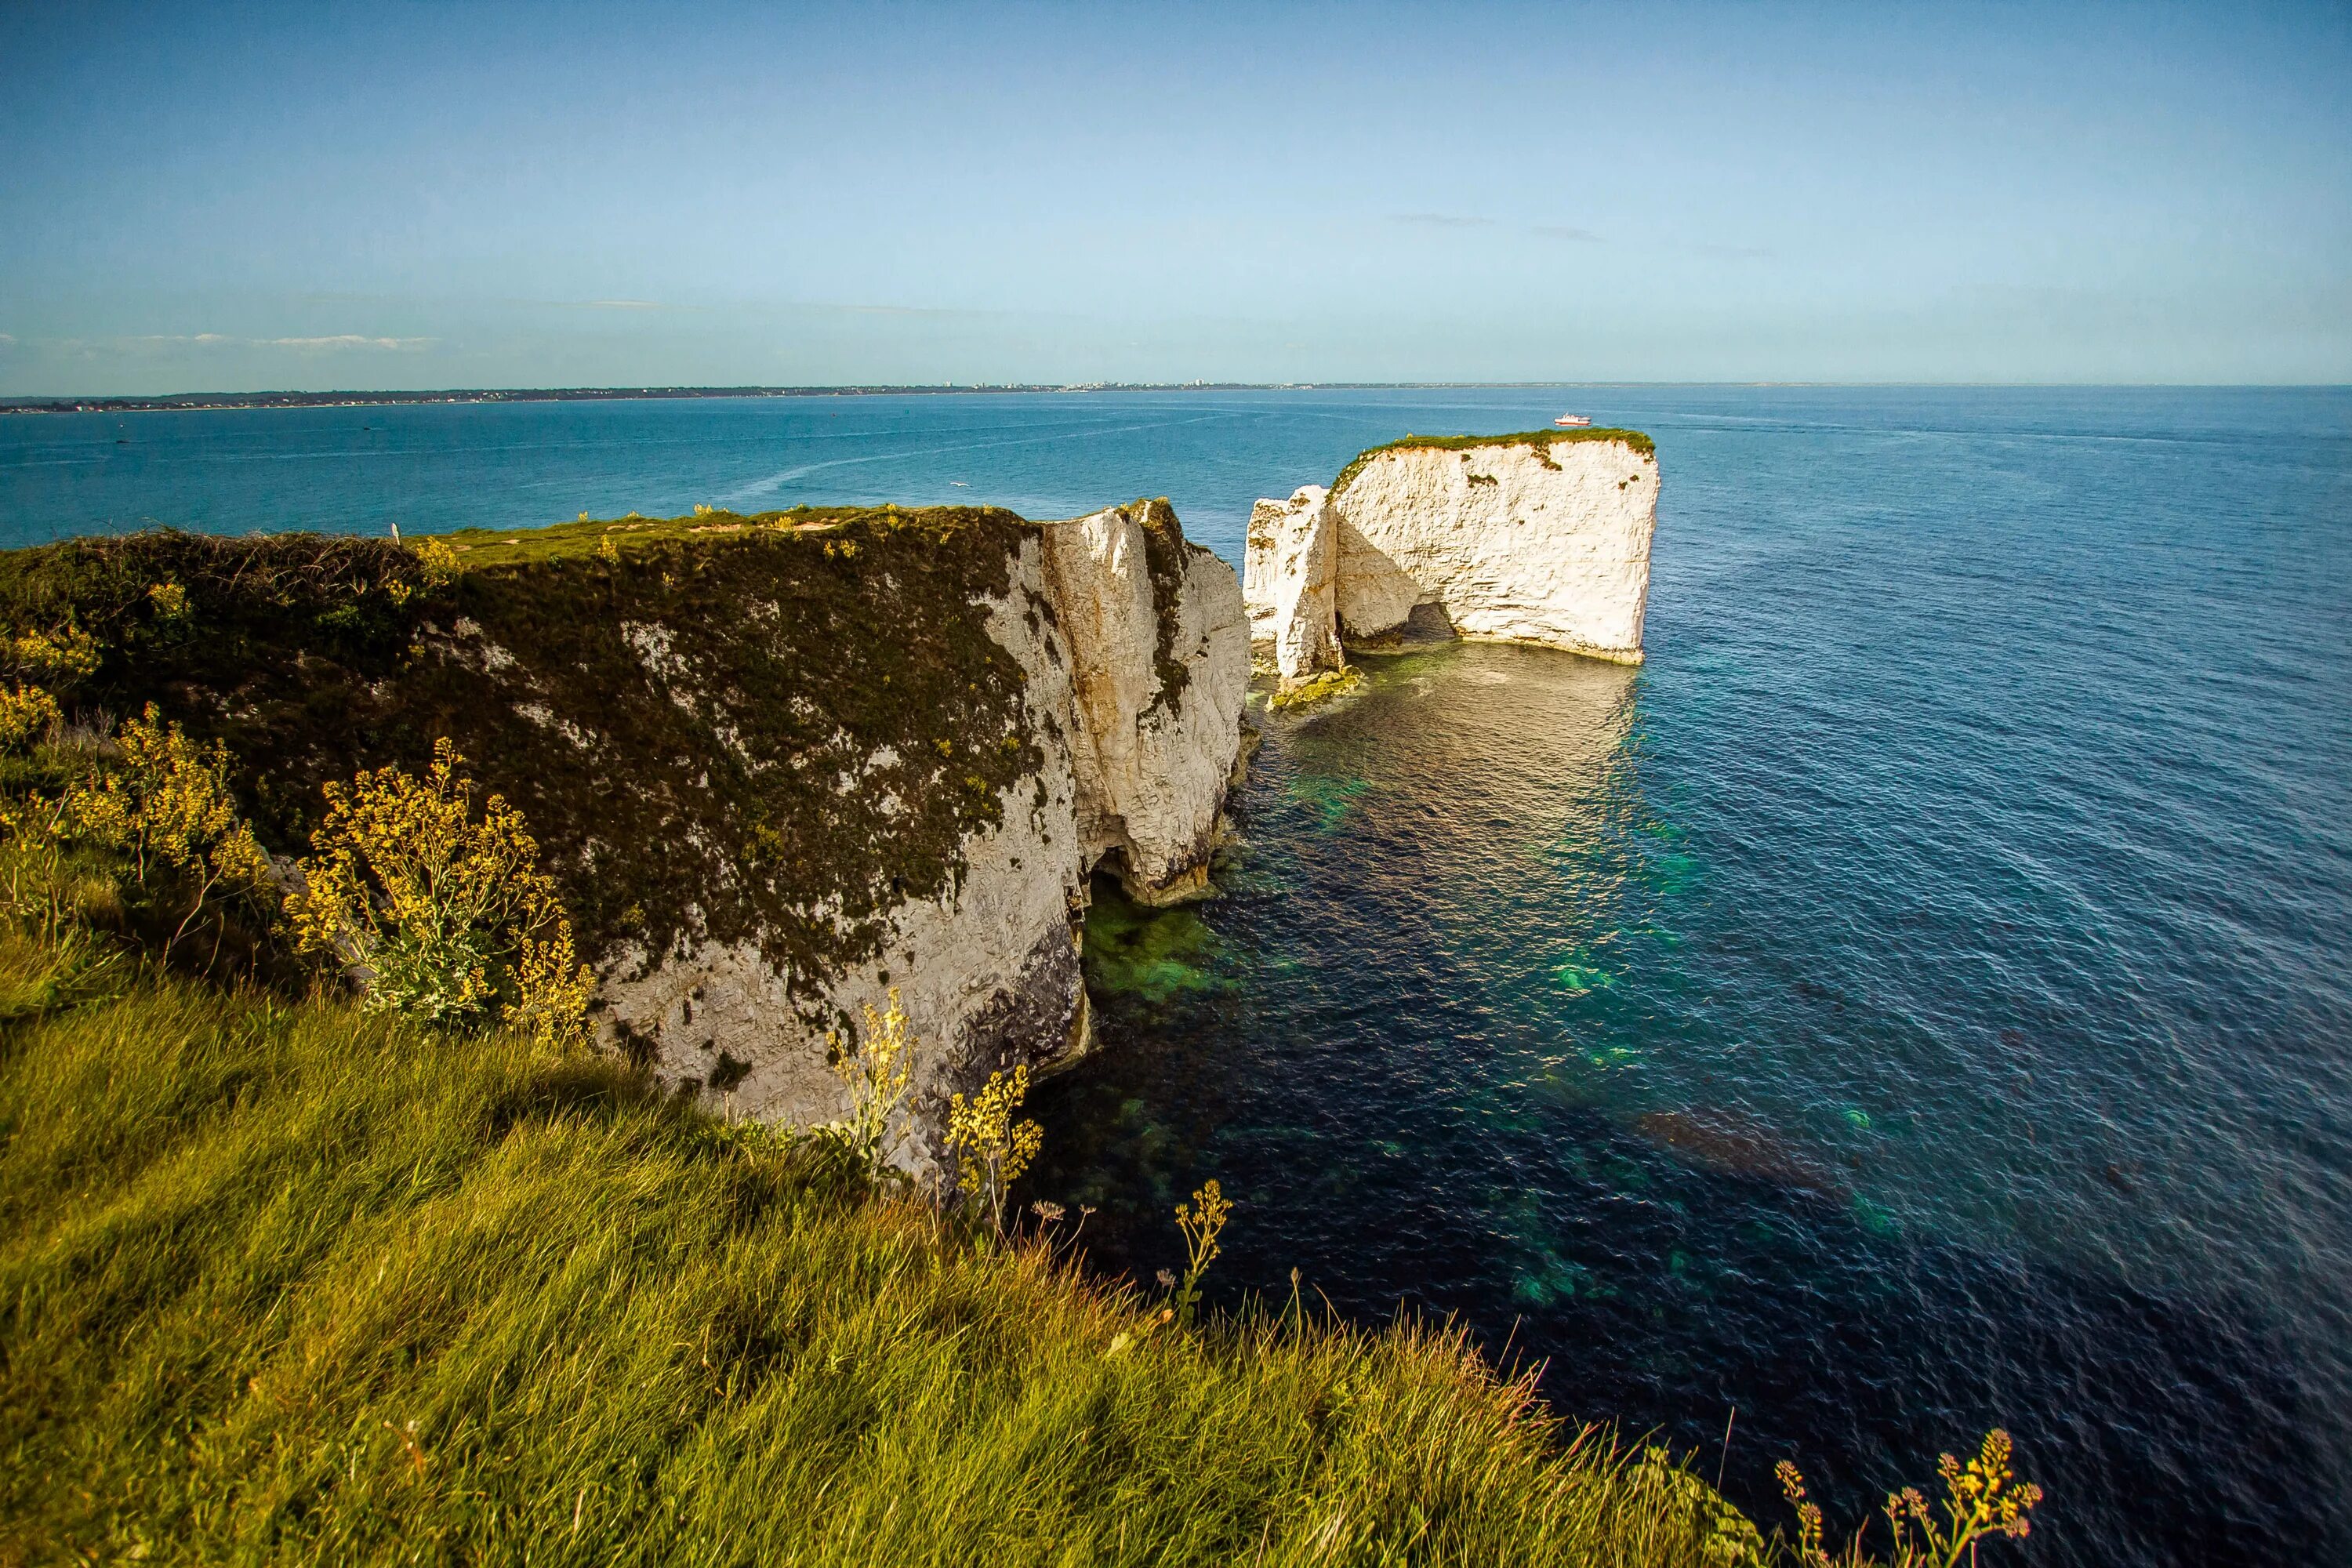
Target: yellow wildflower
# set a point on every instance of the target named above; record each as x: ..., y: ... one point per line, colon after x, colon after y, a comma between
x: 992, y: 1150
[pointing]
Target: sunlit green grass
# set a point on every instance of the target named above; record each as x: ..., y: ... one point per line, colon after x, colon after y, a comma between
x: 282, y: 1283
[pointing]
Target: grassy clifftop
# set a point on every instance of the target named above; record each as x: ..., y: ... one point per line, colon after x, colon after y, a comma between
x: 672, y: 704
x: 279, y: 1282
x: 1636, y: 439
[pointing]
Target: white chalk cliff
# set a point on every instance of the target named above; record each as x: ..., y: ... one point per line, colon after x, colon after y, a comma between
x: 1290, y: 568
x: 1540, y: 538
x: 1156, y: 731
x: 1134, y: 694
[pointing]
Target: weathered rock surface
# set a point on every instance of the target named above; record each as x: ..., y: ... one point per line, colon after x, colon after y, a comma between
x: 1159, y: 663
x: 987, y: 972
x: 1532, y: 539
x: 1134, y: 684
x: 1290, y: 581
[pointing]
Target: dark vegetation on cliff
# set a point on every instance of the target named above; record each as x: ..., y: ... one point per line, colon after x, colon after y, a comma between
x: 287, y: 1282
x: 1164, y: 547
x: 719, y: 727
x: 1540, y: 440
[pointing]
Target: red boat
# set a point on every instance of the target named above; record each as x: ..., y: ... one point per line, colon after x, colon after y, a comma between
x: 1572, y: 422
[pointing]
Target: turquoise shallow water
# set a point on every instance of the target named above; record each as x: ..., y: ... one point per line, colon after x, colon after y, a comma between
x: 1914, y: 999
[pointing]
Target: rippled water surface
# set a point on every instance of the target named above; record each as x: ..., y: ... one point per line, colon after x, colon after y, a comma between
x: 1914, y: 999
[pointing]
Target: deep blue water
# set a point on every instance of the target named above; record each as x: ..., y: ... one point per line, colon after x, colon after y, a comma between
x: 1915, y: 999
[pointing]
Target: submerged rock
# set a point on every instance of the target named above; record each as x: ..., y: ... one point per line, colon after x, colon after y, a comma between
x: 1734, y: 1143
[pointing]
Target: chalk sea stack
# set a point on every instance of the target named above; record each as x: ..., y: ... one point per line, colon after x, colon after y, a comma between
x: 1536, y: 537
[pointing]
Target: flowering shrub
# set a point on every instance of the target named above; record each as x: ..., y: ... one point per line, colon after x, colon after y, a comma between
x: 991, y: 1149
x: 1201, y: 1221
x: 165, y: 802
x: 1979, y: 1502
x: 437, y: 559
x: 878, y: 1074
x: 445, y: 909
x: 66, y: 652
x: 25, y: 711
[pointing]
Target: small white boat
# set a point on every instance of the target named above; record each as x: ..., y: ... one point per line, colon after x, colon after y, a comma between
x: 1572, y: 422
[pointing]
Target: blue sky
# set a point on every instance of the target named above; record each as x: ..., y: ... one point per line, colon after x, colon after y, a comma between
x: 414, y: 195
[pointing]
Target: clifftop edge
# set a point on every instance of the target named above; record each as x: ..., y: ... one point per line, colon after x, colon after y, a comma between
x: 1638, y: 441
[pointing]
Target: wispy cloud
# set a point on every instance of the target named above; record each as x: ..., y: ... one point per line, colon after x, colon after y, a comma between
x: 164, y: 341
x: 1442, y: 220
x: 348, y: 340
x: 1568, y: 232
x: 744, y: 308
x: 934, y: 312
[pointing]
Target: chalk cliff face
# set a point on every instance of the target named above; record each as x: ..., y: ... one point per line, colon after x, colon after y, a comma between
x: 1158, y: 646
x: 1539, y: 538
x: 1133, y: 645
x: 986, y: 966
x: 1291, y: 581
x: 778, y: 765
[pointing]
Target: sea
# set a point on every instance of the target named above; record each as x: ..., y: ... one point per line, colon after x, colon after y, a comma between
x: 1916, y: 1000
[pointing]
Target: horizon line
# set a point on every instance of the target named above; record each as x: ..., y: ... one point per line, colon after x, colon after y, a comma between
x: 36, y: 402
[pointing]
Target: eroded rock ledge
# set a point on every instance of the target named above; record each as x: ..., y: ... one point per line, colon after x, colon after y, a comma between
x: 1541, y: 538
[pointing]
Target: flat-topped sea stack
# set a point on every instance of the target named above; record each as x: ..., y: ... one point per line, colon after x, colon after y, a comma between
x: 1542, y: 537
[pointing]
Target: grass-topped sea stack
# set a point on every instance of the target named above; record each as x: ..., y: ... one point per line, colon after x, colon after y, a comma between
x: 1539, y: 538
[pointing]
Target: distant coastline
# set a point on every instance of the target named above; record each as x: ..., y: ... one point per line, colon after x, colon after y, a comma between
x: 164, y: 402
x: 180, y: 400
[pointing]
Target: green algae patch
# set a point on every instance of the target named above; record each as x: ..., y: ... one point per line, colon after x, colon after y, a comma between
x: 1542, y: 440
x: 1327, y: 800
x: 1291, y: 696
x: 1153, y: 956
x: 769, y: 729
x: 1579, y: 979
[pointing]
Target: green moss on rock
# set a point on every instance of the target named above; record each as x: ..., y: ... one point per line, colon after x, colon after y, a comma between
x: 1307, y: 691
x: 1164, y: 548
x: 770, y: 729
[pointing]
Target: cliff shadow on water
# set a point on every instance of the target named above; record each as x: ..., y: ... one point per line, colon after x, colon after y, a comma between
x: 1458, y: 1038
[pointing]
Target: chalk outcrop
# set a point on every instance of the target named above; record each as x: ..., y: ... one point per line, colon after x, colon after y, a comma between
x: 986, y: 966
x: 1133, y: 645
x: 1158, y: 646
x: 1541, y: 538
x: 1291, y: 566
